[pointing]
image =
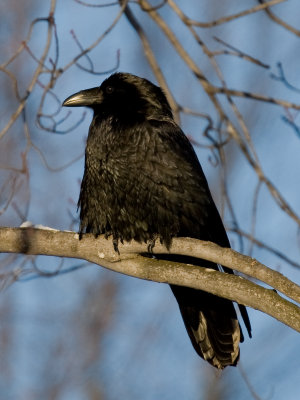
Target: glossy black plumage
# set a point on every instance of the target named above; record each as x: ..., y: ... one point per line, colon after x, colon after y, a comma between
x: 143, y: 181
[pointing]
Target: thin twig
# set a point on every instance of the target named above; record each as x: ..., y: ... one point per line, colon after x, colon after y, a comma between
x: 279, y: 21
x: 149, y: 54
x: 223, y: 20
x: 15, y: 115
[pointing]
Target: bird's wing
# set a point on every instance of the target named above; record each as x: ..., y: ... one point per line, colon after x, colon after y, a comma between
x: 171, y: 167
x: 211, y: 322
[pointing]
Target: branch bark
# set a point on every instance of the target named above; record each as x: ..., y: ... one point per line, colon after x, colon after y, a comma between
x: 134, y: 262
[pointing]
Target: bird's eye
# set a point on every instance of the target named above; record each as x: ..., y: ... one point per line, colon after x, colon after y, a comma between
x: 109, y: 89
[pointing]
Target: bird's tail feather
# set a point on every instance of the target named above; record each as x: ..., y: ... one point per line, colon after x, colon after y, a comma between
x: 212, y: 325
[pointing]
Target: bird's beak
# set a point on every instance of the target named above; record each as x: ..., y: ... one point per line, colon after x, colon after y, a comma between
x: 87, y: 98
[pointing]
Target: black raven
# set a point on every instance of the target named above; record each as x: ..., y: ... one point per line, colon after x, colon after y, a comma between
x: 143, y: 181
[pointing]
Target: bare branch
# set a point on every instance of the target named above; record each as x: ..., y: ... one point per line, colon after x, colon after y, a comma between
x: 149, y: 54
x: 223, y: 20
x: 280, y: 21
x: 263, y: 245
x: 134, y: 262
x: 254, y: 96
x: 37, y: 72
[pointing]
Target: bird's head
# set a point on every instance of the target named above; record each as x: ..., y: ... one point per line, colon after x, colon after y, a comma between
x: 123, y: 94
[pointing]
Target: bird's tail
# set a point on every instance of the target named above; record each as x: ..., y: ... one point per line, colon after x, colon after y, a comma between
x: 212, y: 325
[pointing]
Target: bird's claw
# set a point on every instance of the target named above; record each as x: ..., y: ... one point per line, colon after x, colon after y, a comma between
x: 151, y: 245
x: 115, y: 244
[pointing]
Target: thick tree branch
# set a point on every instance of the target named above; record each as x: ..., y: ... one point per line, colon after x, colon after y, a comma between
x: 132, y: 261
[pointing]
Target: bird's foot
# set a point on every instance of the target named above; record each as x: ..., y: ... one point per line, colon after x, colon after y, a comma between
x: 151, y: 245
